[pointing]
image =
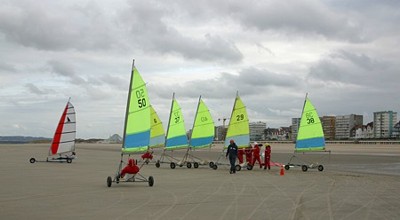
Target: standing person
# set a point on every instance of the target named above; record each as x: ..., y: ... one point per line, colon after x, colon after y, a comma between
x: 249, y: 155
x: 267, y: 161
x: 256, y: 154
x: 240, y: 155
x: 232, y: 152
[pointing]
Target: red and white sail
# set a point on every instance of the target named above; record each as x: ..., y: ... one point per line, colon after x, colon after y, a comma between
x: 64, y: 137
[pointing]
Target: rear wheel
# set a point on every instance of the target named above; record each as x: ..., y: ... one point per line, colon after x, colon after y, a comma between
x: 304, y: 168
x: 320, y: 168
x: 172, y: 165
x: 196, y: 165
x: 287, y: 167
x: 211, y: 164
x: 189, y: 165
x: 158, y: 164
x: 109, y: 181
x: 215, y: 167
x: 151, y: 181
x: 238, y: 167
x: 32, y: 160
x: 249, y: 167
x: 69, y: 160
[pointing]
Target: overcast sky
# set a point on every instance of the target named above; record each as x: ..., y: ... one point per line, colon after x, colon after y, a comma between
x: 344, y: 54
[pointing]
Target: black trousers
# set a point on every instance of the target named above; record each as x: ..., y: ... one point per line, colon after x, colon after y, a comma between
x: 232, y: 161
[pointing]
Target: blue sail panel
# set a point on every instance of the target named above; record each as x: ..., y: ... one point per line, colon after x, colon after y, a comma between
x: 201, y: 142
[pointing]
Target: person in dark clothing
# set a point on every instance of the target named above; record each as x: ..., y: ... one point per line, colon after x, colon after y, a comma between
x: 232, y: 152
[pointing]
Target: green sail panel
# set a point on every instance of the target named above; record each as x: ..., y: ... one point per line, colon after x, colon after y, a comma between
x: 176, y: 132
x: 203, y: 127
x: 238, y: 128
x: 157, y: 134
x: 310, y: 136
x: 137, y: 118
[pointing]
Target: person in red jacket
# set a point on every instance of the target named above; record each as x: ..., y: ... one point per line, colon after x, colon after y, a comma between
x: 249, y: 155
x: 131, y: 168
x: 148, y: 155
x: 240, y: 155
x: 256, y: 154
x: 267, y: 159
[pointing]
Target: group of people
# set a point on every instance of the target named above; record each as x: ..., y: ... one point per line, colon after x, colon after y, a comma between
x: 252, y: 155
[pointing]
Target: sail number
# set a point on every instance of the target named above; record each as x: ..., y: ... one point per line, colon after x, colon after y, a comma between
x: 310, y: 118
x: 177, y: 117
x: 140, y: 98
x: 204, y: 119
x: 240, y: 117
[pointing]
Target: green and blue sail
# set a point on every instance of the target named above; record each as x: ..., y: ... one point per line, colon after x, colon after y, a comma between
x: 203, y: 127
x: 310, y: 136
x: 176, y: 132
x: 238, y: 129
x: 137, y: 118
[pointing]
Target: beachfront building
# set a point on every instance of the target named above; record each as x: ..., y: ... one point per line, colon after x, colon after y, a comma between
x: 384, y: 123
x: 257, y: 130
x: 220, y: 133
x: 294, y: 128
x: 396, y: 130
x: 328, y: 125
x: 345, y: 123
x: 360, y: 132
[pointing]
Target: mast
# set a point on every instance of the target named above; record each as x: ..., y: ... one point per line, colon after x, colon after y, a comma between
x: 169, y: 120
x: 194, y: 121
x: 128, y: 102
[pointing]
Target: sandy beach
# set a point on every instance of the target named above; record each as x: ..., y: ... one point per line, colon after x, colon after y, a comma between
x: 358, y: 182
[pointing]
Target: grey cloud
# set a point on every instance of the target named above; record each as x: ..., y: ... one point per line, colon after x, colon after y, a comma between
x: 355, y: 69
x: 34, y: 89
x: 150, y: 30
x: 43, y: 26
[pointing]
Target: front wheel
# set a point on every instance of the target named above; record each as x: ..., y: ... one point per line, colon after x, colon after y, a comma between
x: 287, y: 167
x: 151, y: 181
x: 215, y: 167
x: 69, y: 160
x: 158, y: 164
x: 189, y: 165
x: 320, y: 168
x: 211, y: 164
x: 32, y: 160
x: 109, y: 181
x: 196, y: 165
x: 249, y: 167
x: 172, y: 165
x: 304, y: 168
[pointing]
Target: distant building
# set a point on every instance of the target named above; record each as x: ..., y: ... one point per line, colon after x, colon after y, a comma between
x: 294, y: 128
x: 384, y: 123
x: 364, y: 131
x: 220, y: 133
x: 328, y: 125
x: 345, y: 123
x: 257, y: 130
x: 396, y: 130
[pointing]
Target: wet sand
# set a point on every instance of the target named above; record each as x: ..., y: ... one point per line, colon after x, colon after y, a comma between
x: 358, y: 182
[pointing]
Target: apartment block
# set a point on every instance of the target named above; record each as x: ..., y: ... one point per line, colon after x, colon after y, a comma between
x: 384, y: 123
x: 345, y: 123
x: 257, y: 130
x: 328, y: 125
